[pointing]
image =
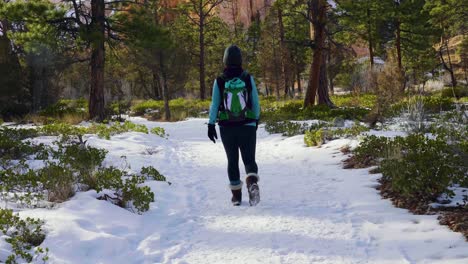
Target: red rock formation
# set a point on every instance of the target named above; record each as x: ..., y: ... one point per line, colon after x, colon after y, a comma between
x: 243, y: 11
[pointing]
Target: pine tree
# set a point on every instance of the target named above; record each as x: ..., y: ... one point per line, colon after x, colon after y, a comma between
x: 200, y: 14
x: 449, y: 18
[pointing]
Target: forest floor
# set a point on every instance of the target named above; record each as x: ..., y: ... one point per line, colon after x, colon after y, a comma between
x: 311, y: 210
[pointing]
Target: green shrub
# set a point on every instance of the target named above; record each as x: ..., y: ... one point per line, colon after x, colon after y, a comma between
x: 352, y: 100
x: 118, y: 108
x: 13, y: 145
x: 64, y: 107
x: 69, y: 132
x: 105, y: 131
x: 84, y: 160
x: 314, y: 137
x: 58, y: 181
x: 370, y: 151
x: 139, y: 196
x: 23, y: 235
x: 147, y: 106
x: 319, y: 136
x: 286, y: 128
x: 180, y: 108
x: 457, y: 92
x: 424, y: 169
x: 431, y: 104
x: 128, y: 193
x: 295, y: 111
x: 74, y: 166
x: 159, y: 131
x: 152, y: 174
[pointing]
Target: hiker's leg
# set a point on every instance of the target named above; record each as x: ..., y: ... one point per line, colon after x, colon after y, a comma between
x: 247, y: 145
x: 229, y: 138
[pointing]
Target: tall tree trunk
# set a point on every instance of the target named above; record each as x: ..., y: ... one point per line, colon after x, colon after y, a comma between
x: 165, y: 93
x: 370, y: 40
x: 318, y: 12
x: 156, y: 84
x: 399, y: 56
x: 96, y: 96
x: 284, y: 82
x: 452, y: 72
x: 299, y: 85
x: 398, y: 45
x: 323, y: 95
x: 449, y: 67
x: 202, y: 55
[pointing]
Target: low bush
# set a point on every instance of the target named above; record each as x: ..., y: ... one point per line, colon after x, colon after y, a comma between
x: 295, y: 111
x: 286, y: 128
x: 423, y: 168
x: 69, y: 166
x: 69, y: 132
x: 319, y: 136
x: 314, y: 137
x: 352, y: 100
x: 159, y: 131
x: 369, y: 152
x: 66, y: 106
x: 180, y: 108
x: 65, y: 110
x: 13, y: 145
x: 416, y: 169
x: 457, y: 92
x: 23, y: 236
x: 431, y: 104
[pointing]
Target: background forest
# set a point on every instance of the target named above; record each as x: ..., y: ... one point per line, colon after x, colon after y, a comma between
x: 113, y: 53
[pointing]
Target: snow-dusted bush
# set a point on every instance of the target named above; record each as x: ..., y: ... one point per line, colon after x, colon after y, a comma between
x: 24, y: 237
x: 314, y: 137
x: 286, y: 128
x: 69, y: 132
x: 180, y: 108
x: 417, y: 168
x: 159, y: 131
x: 68, y: 166
x: 421, y: 168
x: 294, y: 111
x: 319, y: 136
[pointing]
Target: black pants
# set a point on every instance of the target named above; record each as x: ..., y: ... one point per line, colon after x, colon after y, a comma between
x: 243, y: 138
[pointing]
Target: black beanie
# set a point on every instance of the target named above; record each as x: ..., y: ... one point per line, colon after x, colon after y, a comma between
x: 232, y: 56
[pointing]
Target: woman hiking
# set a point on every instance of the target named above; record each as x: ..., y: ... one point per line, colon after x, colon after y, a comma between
x: 236, y: 108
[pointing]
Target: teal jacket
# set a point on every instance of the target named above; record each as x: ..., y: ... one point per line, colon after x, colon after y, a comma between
x: 216, y: 100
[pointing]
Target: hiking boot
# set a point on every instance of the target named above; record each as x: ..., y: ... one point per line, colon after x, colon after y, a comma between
x: 253, y: 189
x: 236, y: 194
x: 236, y: 197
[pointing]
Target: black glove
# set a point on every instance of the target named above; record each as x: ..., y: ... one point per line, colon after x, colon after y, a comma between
x: 212, y: 133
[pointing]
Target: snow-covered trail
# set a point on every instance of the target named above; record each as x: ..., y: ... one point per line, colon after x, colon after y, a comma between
x: 312, y: 211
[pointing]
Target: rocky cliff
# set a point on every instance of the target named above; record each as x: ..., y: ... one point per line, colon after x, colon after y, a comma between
x: 243, y: 11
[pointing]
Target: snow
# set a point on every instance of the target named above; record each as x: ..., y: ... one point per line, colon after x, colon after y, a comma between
x: 312, y: 211
x: 458, y: 198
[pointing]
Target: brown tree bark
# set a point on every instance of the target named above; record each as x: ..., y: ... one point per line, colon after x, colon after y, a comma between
x: 284, y: 81
x: 299, y: 85
x: 202, y: 56
x: 96, y: 96
x: 449, y: 66
x: 323, y: 94
x: 167, y: 110
x: 398, y: 45
x: 156, y: 84
x: 370, y: 40
x: 318, y: 11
